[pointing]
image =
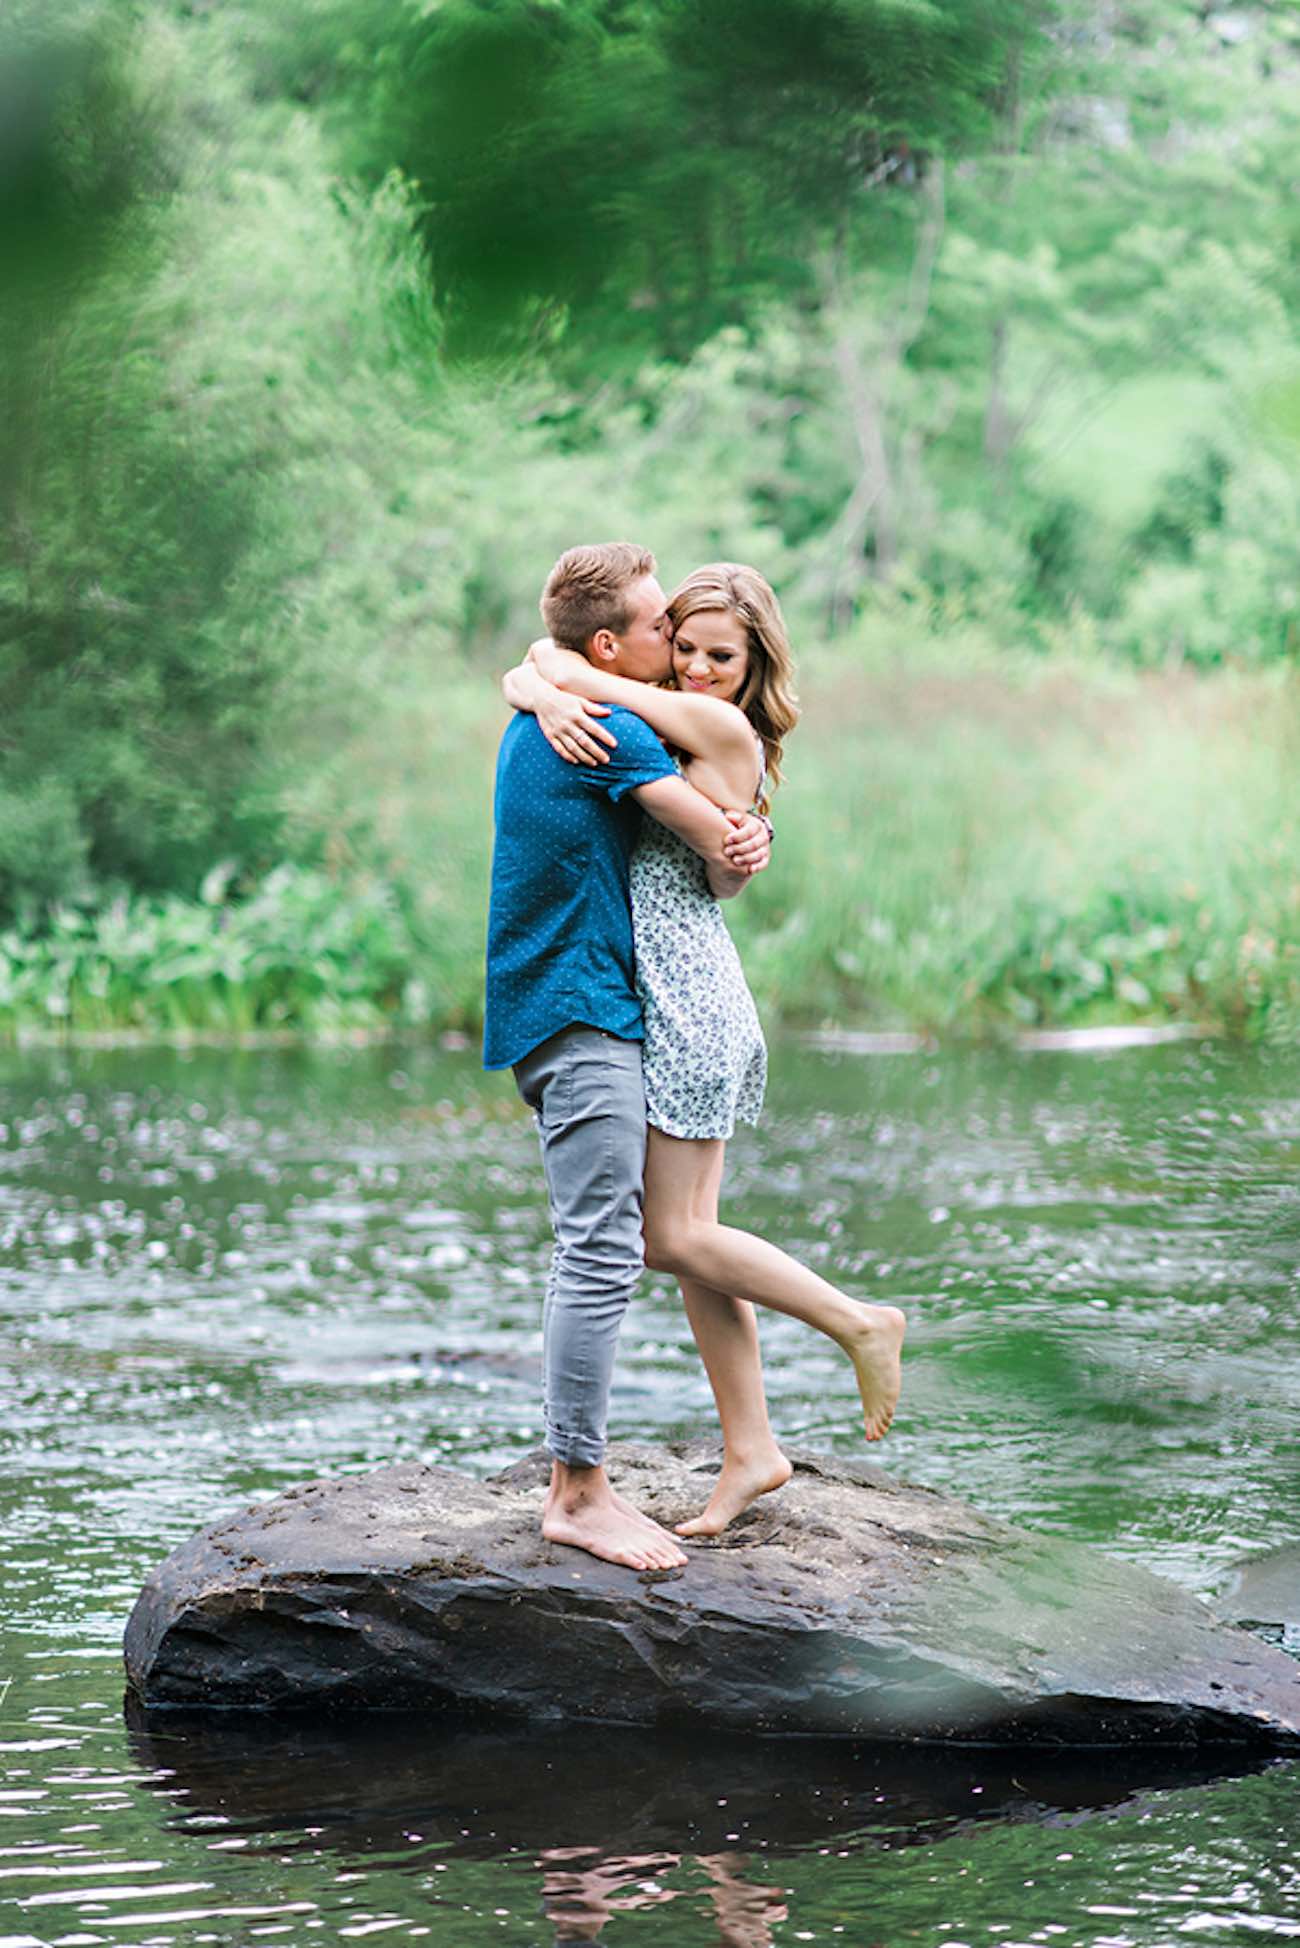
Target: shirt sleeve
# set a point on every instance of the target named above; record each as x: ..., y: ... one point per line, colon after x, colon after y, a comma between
x: 639, y: 758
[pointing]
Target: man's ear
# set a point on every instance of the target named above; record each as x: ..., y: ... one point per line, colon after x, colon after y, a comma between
x: 603, y: 647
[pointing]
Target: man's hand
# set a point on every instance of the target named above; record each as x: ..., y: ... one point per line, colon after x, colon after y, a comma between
x: 748, y: 846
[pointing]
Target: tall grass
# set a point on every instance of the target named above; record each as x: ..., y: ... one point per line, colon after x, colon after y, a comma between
x: 969, y: 843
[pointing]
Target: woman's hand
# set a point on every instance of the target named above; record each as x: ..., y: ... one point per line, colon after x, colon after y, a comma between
x: 748, y: 846
x: 554, y: 663
x: 570, y: 728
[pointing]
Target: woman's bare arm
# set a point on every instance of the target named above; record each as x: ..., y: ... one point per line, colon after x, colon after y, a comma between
x: 568, y: 723
x: 712, y: 833
x: 703, y: 727
x: 524, y: 686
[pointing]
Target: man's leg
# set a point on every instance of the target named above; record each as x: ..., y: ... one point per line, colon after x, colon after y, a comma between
x: 586, y: 1090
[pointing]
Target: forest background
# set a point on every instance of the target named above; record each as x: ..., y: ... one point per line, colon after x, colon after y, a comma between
x: 326, y: 324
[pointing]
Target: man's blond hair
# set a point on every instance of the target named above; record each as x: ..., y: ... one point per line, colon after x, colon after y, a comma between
x: 591, y: 588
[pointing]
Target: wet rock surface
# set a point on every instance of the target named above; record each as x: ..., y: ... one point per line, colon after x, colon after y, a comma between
x: 848, y: 1604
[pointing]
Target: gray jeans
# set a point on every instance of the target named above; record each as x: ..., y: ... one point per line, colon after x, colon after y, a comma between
x: 585, y: 1089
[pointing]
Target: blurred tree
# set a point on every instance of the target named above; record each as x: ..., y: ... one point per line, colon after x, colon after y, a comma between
x: 132, y: 712
x: 78, y: 164
x: 636, y: 174
x: 1115, y: 233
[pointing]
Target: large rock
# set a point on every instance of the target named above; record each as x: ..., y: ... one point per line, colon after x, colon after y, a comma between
x: 847, y: 1604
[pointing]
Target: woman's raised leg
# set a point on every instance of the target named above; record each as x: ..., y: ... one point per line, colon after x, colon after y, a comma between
x: 683, y: 1236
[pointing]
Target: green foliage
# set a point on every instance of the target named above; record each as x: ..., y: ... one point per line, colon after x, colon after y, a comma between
x: 298, y: 952
x: 134, y: 688
x: 81, y: 154
x: 1218, y: 584
x: 609, y: 175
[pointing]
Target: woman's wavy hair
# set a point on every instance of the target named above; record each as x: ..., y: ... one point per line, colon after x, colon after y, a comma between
x: 767, y: 697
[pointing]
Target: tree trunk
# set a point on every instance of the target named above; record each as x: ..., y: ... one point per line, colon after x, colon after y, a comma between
x: 998, y: 433
x: 997, y: 415
x: 868, y: 372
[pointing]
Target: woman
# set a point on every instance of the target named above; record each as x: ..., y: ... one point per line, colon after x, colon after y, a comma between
x: 704, y: 1058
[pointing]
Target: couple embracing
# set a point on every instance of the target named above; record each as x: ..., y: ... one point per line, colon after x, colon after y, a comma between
x: 631, y: 798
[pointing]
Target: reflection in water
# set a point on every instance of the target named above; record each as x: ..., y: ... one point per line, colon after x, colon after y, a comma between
x: 582, y: 1890
x: 613, y: 1822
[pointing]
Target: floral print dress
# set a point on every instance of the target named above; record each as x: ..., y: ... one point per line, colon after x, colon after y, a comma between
x: 705, y: 1060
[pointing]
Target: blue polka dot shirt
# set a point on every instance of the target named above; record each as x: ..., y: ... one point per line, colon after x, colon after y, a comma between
x: 559, y: 945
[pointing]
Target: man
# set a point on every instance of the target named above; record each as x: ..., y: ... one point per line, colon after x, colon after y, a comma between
x: 562, y: 1011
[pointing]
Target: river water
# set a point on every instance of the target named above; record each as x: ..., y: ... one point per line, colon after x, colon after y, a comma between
x: 225, y: 1271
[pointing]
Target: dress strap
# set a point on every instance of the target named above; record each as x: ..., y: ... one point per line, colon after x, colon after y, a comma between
x: 762, y: 774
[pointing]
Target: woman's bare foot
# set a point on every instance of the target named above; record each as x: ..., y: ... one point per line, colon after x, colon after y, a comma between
x: 876, y: 1349
x: 739, y: 1484
x: 583, y: 1511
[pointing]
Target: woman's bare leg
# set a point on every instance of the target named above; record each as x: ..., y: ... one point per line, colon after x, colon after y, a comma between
x: 726, y: 1333
x: 683, y: 1236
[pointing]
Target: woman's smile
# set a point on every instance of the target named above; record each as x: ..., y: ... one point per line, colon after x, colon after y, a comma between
x: 711, y: 653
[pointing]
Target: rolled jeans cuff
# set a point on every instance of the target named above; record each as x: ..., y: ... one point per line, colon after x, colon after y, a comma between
x: 573, y: 1450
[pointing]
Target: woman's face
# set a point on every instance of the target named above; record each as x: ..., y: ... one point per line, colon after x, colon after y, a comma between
x: 711, y: 654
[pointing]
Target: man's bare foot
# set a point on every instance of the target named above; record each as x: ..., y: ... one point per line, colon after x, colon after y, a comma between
x: 876, y: 1349
x: 582, y: 1511
x: 739, y: 1484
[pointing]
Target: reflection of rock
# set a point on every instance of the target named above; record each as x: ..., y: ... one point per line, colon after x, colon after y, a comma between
x: 849, y: 1604
x: 615, y: 1820
x: 601, y: 1791
x: 1263, y: 1593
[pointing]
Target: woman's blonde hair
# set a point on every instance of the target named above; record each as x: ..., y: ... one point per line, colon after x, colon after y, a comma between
x: 767, y: 696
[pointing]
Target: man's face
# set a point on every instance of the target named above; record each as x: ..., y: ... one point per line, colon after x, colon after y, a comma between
x: 644, y: 649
